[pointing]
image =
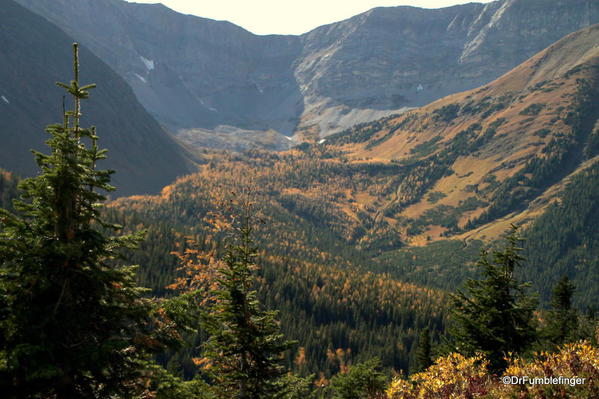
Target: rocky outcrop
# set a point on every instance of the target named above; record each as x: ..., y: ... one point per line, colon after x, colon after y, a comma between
x: 191, y: 72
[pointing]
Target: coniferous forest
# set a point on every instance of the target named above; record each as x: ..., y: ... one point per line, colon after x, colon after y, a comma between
x: 331, y: 270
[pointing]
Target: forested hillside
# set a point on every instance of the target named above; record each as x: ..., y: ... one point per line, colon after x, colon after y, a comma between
x: 498, y: 153
x: 477, y: 161
x: 565, y: 240
x: 332, y: 299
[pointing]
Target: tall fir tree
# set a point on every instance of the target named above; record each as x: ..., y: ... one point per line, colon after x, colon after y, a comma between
x: 495, y: 316
x: 245, y: 345
x: 562, y: 319
x: 363, y: 380
x: 423, y: 355
x: 73, y: 324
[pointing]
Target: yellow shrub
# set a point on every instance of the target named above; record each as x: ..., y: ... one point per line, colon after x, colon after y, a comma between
x: 456, y: 376
x: 579, y: 360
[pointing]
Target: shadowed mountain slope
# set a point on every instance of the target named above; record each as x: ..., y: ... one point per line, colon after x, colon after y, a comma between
x: 35, y: 54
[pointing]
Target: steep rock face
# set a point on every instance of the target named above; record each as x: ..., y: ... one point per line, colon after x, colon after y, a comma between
x: 406, y: 56
x: 508, y: 32
x: 191, y: 72
x: 35, y: 54
x: 385, y: 60
x: 187, y: 71
x: 380, y: 59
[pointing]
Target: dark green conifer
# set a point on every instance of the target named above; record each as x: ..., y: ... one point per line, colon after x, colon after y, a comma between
x: 562, y: 320
x: 73, y: 324
x: 295, y: 387
x: 495, y: 314
x: 364, y: 380
x: 422, y: 357
x: 245, y: 345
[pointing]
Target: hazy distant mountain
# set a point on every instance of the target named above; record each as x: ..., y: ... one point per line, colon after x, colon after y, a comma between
x: 35, y: 54
x: 191, y: 72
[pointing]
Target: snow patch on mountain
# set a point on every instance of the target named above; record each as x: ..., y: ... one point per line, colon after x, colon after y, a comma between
x: 148, y: 63
x: 141, y: 78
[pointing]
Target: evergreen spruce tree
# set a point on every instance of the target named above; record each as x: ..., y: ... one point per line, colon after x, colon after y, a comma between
x: 245, y: 345
x: 295, y: 387
x: 364, y: 380
x: 562, y: 320
x: 422, y: 358
x: 495, y: 314
x: 72, y: 324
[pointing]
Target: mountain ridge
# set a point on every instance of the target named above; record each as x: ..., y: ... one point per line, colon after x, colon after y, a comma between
x: 207, y: 74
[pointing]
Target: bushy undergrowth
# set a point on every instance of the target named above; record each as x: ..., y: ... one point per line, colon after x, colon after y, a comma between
x: 456, y: 376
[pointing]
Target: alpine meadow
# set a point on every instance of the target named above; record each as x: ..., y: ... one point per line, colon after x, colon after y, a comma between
x: 400, y: 205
